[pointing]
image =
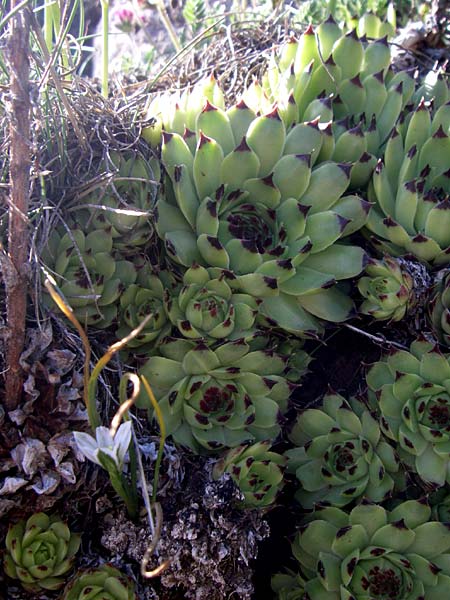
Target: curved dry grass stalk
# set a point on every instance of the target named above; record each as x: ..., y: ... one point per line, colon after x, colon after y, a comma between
x: 156, y: 535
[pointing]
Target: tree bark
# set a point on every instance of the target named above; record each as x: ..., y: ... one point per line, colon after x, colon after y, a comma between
x: 16, y: 280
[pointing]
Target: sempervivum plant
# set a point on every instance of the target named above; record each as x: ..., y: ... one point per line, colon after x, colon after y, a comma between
x: 439, y: 307
x: 264, y: 215
x: 341, y: 456
x: 103, y: 583
x: 123, y: 210
x: 257, y: 471
x: 375, y: 554
x: 39, y: 552
x: 87, y: 273
x: 410, y: 188
x: 218, y: 397
x: 139, y: 300
x: 298, y: 359
x: 440, y: 504
x: 411, y: 389
x: 387, y: 289
x: 206, y: 307
x: 288, y: 586
x: 339, y: 78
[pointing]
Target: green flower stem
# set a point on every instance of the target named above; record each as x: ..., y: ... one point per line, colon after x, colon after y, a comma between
x: 62, y: 44
x: 51, y: 17
x: 168, y: 25
x: 105, y: 35
x: 52, y: 27
x: 90, y: 382
x: 131, y: 450
x: 162, y: 429
x: 120, y: 484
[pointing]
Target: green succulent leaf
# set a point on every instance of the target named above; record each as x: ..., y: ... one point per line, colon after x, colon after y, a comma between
x: 105, y: 582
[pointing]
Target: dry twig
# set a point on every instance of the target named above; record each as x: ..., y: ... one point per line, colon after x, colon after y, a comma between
x: 16, y: 280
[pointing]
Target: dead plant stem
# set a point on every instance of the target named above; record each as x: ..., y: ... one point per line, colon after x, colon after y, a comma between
x: 18, y: 234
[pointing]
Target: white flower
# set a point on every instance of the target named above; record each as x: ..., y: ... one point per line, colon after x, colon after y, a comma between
x: 115, y: 447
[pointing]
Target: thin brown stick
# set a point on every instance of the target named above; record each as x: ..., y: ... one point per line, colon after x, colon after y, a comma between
x: 18, y: 235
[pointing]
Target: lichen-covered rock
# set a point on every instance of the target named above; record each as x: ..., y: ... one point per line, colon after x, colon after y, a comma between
x: 211, y: 543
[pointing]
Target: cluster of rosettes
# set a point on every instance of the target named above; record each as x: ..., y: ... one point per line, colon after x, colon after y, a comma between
x: 255, y: 220
x: 360, y: 452
x: 98, y: 251
x: 270, y: 219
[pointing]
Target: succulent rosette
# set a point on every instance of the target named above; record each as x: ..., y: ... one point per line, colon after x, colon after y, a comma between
x: 341, y: 456
x: 221, y: 397
x: 330, y: 76
x: 439, y: 307
x: 90, y: 278
x: 139, y: 300
x: 412, y: 392
x: 410, y: 189
x: 288, y: 586
x: 263, y: 215
x: 375, y: 554
x: 341, y: 78
x: 257, y: 471
x: 39, y: 552
x: 387, y: 289
x: 206, y: 307
x: 123, y: 210
x: 298, y: 359
x: 103, y: 583
x: 440, y: 504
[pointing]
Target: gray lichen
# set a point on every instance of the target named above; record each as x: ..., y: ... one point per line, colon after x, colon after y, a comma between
x: 211, y: 543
